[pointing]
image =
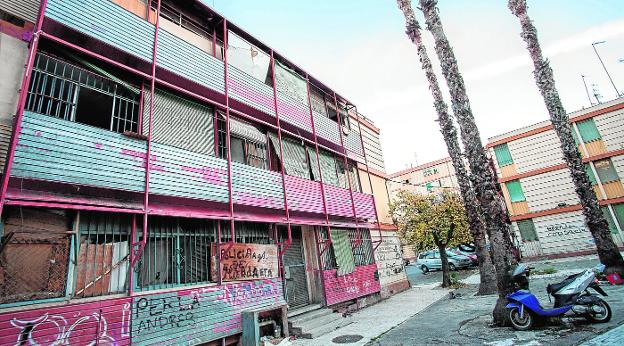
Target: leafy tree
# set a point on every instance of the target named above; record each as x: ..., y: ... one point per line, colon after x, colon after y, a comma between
x: 449, y: 132
x: 429, y: 221
x: 607, y: 249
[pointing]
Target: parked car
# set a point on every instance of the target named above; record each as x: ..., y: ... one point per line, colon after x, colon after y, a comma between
x: 431, y: 260
x: 471, y: 255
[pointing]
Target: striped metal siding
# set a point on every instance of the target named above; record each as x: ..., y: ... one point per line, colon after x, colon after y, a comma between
x: 338, y: 201
x: 573, y: 237
x: 534, y: 152
x: 352, y: 140
x: 326, y: 128
x: 105, y: 321
x: 250, y: 91
x: 257, y: 187
x: 360, y: 283
x: 611, y: 128
x: 5, y: 139
x: 181, y: 173
x: 180, y: 123
x: 304, y: 195
x: 106, y: 22
x: 59, y: 150
x: 294, y: 112
x: 364, y: 206
x: 25, y: 9
x: 188, y: 61
x: 372, y: 145
x: 618, y: 164
x: 548, y: 190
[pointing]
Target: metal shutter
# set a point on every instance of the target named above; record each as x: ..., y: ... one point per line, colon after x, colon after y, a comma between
x: 296, y: 283
x: 25, y: 9
x: 342, y: 251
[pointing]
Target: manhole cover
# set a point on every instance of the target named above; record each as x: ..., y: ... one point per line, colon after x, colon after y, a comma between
x: 347, y: 339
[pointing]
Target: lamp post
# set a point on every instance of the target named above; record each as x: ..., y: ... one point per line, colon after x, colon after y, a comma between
x: 604, y: 67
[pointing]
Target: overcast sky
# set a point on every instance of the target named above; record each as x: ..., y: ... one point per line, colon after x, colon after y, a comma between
x: 359, y: 48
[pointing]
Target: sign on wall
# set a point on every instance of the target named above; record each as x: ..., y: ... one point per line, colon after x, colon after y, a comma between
x: 246, y: 262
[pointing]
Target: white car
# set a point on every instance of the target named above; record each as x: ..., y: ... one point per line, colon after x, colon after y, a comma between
x: 431, y: 260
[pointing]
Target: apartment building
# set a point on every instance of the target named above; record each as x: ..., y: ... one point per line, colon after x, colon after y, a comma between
x: 544, y: 209
x: 167, y: 171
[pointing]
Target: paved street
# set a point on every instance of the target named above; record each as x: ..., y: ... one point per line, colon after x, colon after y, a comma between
x: 466, y: 319
x: 417, y: 278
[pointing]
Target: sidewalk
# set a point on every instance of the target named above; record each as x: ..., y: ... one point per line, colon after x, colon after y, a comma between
x: 373, y: 321
x: 613, y: 337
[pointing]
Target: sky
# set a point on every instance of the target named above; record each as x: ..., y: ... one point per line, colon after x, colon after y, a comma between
x: 359, y: 48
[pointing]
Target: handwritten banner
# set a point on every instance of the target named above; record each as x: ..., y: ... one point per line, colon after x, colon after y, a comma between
x: 246, y: 262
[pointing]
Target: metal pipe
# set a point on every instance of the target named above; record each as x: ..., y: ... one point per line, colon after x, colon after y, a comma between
x: 370, y: 181
x: 227, y: 137
x: 132, y: 258
x: 617, y: 92
x: 281, y: 157
x: 218, y: 258
x: 17, y: 121
x: 140, y: 120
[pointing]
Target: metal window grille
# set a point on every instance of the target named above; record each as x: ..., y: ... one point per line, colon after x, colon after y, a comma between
x: 363, y: 252
x: 102, y: 254
x: 247, y: 232
x: 177, y: 252
x: 328, y: 258
x: 255, y: 154
x: 55, y: 87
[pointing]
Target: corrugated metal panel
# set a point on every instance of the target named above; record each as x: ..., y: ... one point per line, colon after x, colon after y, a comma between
x: 563, y: 233
x: 372, y: 145
x: 250, y: 91
x: 257, y: 187
x: 295, y: 158
x: 304, y: 195
x: 535, y: 152
x: 546, y: 191
x: 611, y: 128
x: 364, y: 206
x: 105, y: 321
x: 618, y: 164
x: 360, y: 283
x: 198, y: 315
x: 352, y: 140
x: 296, y: 284
x: 5, y: 139
x: 25, y: 9
x: 326, y: 128
x: 293, y: 111
x: 188, y: 61
x: 59, y: 150
x: 107, y: 22
x: 181, y: 173
x: 328, y: 168
x: 338, y: 201
x: 180, y: 123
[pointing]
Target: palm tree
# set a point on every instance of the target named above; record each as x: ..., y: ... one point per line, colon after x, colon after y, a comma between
x: 483, y: 178
x: 597, y: 224
x: 477, y: 228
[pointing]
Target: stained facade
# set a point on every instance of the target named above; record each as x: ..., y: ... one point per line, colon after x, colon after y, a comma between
x: 166, y: 171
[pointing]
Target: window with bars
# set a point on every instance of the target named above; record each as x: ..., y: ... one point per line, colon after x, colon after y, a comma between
x: 69, y: 92
x: 248, y: 232
x: 328, y: 258
x: 245, y: 147
x: 362, y: 246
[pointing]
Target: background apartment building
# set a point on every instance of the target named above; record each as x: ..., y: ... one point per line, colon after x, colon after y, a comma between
x: 169, y: 171
x: 538, y: 189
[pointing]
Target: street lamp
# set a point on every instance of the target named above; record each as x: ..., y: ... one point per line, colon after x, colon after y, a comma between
x: 604, y: 67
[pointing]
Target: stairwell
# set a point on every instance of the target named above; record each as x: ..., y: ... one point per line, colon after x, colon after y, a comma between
x: 313, y: 320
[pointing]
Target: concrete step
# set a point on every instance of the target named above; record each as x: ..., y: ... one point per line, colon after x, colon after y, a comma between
x: 303, y: 310
x: 311, y: 315
x: 327, y: 328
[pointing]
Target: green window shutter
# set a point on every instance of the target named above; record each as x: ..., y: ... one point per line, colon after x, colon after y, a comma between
x: 503, y: 156
x: 313, y: 164
x: 618, y: 209
x: 515, y: 191
x: 606, y: 171
x: 607, y: 215
x: 328, y: 168
x: 342, y: 251
x: 576, y: 139
x: 590, y: 174
x: 588, y: 130
x: 527, y: 230
x: 429, y: 186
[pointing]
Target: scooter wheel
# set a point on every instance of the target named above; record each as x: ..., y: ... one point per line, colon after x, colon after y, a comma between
x: 521, y: 323
x: 603, y: 317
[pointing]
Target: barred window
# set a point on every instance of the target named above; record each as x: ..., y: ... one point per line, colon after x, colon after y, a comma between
x: 362, y: 246
x: 69, y: 92
x: 247, y: 144
x: 328, y: 258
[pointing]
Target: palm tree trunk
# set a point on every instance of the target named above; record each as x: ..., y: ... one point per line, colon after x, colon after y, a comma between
x: 483, y: 178
x: 607, y: 250
x: 477, y: 228
x: 446, y: 276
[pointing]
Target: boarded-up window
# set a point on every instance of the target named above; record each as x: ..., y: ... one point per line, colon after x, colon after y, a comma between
x: 515, y: 191
x: 34, y: 255
x: 180, y: 123
x: 295, y: 160
x: 342, y: 250
x: 503, y: 156
x: 606, y: 171
x: 588, y: 130
x: 527, y: 230
x: 103, y: 256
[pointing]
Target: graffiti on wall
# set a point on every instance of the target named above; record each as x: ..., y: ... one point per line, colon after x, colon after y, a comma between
x: 363, y: 281
x: 389, y: 260
x: 246, y: 262
x: 79, y: 324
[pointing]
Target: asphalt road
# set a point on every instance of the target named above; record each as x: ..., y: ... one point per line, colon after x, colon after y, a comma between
x: 416, y: 276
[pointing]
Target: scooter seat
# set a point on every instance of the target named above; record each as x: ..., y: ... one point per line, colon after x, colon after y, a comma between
x: 553, y: 288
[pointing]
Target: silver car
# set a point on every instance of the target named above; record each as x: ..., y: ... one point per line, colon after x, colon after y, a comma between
x: 431, y: 260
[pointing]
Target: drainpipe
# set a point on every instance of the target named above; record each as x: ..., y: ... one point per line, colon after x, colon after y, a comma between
x: 600, y: 187
x: 370, y: 182
x: 227, y: 138
x: 148, y: 154
x: 17, y: 121
x: 281, y: 157
x: 132, y: 258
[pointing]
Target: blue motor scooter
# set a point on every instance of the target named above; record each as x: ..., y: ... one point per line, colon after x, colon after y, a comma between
x: 572, y: 298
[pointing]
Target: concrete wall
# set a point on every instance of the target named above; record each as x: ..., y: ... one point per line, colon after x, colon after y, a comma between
x: 389, y: 261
